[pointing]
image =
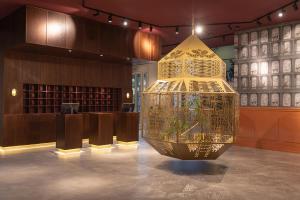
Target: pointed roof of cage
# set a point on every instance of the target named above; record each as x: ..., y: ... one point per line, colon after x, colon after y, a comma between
x: 191, y: 58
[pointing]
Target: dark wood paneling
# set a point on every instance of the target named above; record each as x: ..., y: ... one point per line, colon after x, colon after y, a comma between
x: 56, y: 29
x: 91, y: 36
x: 36, y: 26
x: 74, y: 32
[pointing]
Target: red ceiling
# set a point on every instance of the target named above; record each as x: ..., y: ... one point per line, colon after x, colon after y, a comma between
x: 170, y: 12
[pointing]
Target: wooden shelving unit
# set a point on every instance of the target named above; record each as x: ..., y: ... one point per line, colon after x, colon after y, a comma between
x: 40, y: 98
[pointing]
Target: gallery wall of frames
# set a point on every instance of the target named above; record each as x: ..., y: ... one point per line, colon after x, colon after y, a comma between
x: 267, y: 66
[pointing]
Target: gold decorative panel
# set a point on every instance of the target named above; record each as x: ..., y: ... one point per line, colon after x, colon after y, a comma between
x: 190, y: 112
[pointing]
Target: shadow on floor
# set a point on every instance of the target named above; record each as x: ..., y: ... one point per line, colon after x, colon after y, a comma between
x: 192, y: 167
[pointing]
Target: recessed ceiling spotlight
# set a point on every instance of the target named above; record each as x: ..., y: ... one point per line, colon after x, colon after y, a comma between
x: 198, y: 29
x: 101, y: 55
x: 109, y: 19
x: 125, y: 22
x: 70, y: 50
x: 140, y: 25
x: 177, y: 30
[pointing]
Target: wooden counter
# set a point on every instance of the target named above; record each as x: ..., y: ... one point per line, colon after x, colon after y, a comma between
x: 69, y: 128
x: 270, y: 128
x: 101, y: 128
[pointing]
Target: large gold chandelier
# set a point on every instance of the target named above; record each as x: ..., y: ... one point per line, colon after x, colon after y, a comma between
x: 190, y: 112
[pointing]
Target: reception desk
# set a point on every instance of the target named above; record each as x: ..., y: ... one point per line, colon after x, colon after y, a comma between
x: 270, y: 128
x: 127, y: 126
x: 101, y: 128
x: 69, y: 128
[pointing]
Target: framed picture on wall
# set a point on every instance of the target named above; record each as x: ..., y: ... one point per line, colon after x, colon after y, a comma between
x: 286, y: 81
x: 297, y: 65
x: 275, y: 34
x: 244, y: 99
x: 297, y: 82
x: 235, y: 82
x: 236, y: 70
x: 253, y: 100
x: 264, y: 37
x: 297, y: 46
x: 286, y: 99
x: 253, y: 69
x: 244, y: 83
x: 254, y: 51
x: 275, y: 99
x: 253, y: 82
x: 297, y: 99
x: 264, y: 68
x: 244, y: 69
x: 286, y: 49
x: 264, y: 82
x: 275, y: 66
x: 275, y: 82
x: 264, y: 100
x: 244, y: 39
x: 236, y: 40
x: 275, y: 49
x: 286, y: 66
x: 253, y: 38
x: 287, y: 32
x: 244, y: 53
x: 264, y: 50
x: 297, y: 31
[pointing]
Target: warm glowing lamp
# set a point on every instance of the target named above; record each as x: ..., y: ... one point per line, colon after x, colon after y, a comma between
x: 127, y: 95
x: 14, y: 92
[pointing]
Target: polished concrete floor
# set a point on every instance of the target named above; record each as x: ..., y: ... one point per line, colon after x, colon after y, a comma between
x: 240, y: 173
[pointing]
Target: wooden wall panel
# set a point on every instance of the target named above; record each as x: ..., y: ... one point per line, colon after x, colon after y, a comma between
x: 20, y: 67
x: 56, y: 29
x: 36, y: 25
x: 91, y: 34
x: 74, y: 32
x: 270, y: 128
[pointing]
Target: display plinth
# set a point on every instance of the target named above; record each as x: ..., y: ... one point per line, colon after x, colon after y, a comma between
x: 101, y: 128
x: 69, y: 128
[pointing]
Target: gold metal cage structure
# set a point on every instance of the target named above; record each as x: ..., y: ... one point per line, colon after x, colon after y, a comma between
x: 190, y: 112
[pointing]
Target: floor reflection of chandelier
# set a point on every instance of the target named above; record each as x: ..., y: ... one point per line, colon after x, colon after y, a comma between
x: 190, y: 112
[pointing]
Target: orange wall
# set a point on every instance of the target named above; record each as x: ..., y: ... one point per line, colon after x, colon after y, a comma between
x: 270, y: 128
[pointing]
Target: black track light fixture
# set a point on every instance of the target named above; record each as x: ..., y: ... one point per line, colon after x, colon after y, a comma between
x: 177, y: 30
x: 258, y: 23
x: 269, y: 18
x: 97, y: 12
x: 229, y: 26
x: 150, y: 28
x: 109, y: 19
x: 295, y: 5
x: 140, y: 25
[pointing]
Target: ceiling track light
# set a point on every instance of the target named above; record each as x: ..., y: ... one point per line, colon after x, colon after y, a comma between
x: 295, y: 6
x: 177, y: 30
x: 97, y: 12
x: 109, y: 19
x: 150, y: 28
x: 140, y: 25
x: 229, y: 26
x: 281, y: 13
x: 258, y: 23
x: 125, y: 22
x: 269, y: 18
x: 198, y: 29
